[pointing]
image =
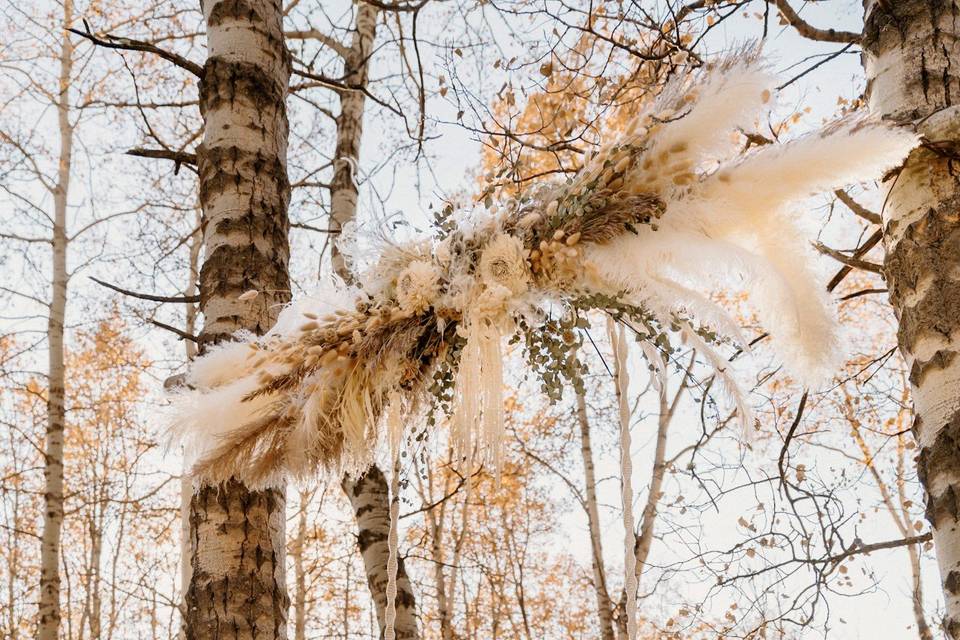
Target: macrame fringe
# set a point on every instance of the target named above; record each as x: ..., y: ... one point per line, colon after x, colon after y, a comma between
x: 479, y: 395
x: 395, y: 436
x: 619, y: 342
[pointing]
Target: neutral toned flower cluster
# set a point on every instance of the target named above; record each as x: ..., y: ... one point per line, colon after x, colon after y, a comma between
x: 652, y: 222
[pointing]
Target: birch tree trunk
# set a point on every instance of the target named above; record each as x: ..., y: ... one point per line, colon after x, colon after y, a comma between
x: 910, y: 55
x: 343, y: 188
x: 237, y: 587
x: 299, y: 571
x: 49, y: 606
x: 369, y: 495
x: 604, y: 604
x: 370, y: 498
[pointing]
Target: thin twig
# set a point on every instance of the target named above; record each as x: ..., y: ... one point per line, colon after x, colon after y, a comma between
x: 180, y: 332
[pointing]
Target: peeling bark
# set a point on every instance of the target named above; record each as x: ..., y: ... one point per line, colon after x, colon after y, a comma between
x: 910, y: 49
x: 237, y: 585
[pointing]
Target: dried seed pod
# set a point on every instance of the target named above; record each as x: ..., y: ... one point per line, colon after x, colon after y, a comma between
x: 529, y: 220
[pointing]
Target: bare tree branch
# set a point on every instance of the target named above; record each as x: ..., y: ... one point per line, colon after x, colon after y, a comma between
x: 862, y: 251
x: 807, y: 30
x: 180, y: 157
x: 147, y: 296
x: 853, y: 262
x: 126, y: 44
x: 857, y: 208
x: 180, y: 332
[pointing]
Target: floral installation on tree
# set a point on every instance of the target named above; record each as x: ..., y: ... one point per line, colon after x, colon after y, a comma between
x: 669, y: 210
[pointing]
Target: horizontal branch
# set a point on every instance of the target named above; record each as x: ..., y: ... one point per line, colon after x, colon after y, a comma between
x: 180, y: 332
x: 396, y: 6
x: 126, y: 44
x: 852, y: 262
x: 315, y: 34
x: 308, y: 227
x: 863, y: 292
x: 147, y: 296
x: 858, y: 548
x: 180, y: 157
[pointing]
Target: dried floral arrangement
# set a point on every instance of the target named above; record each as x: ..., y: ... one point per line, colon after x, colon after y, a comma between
x: 654, y: 219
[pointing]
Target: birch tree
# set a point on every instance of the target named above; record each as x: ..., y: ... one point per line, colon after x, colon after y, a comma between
x: 910, y: 56
x: 368, y: 494
x: 49, y: 621
x: 238, y: 585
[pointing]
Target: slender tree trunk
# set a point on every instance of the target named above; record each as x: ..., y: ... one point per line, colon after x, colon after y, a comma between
x: 238, y: 585
x: 436, y: 520
x: 93, y: 582
x: 369, y: 496
x: 186, y: 485
x: 648, y: 519
x: 346, y: 158
x: 49, y: 609
x: 604, y: 604
x: 910, y: 56
x: 300, y: 574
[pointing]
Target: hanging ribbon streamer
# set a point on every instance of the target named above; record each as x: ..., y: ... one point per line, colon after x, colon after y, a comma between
x: 618, y: 341
x: 395, y: 436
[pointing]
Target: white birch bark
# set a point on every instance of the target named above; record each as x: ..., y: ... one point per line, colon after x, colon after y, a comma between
x: 370, y: 498
x: 49, y: 605
x: 369, y: 495
x: 910, y: 56
x: 299, y: 570
x: 604, y: 604
x: 346, y: 158
x: 238, y: 585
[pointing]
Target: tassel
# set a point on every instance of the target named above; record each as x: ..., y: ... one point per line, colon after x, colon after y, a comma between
x: 479, y: 394
x: 394, y: 435
x: 491, y: 397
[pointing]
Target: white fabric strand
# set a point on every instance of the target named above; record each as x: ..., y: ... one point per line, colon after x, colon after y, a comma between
x: 395, y: 431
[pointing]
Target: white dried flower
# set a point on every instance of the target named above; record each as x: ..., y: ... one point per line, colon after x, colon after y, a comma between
x: 460, y: 292
x: 504, y: 263
x: 442, y: 252
x: 418, y: 286
x: 493, y: 301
